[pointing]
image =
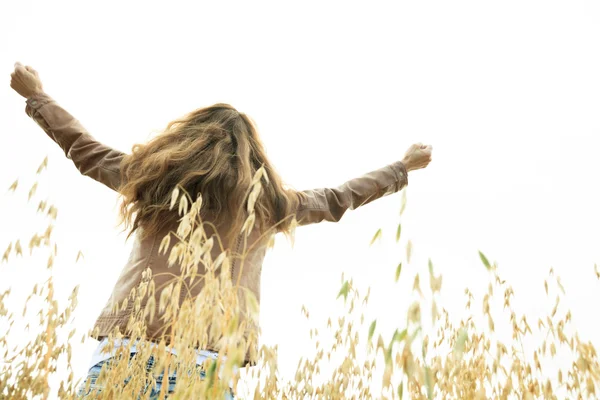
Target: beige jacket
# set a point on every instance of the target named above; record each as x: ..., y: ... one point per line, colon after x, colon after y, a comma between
x: 101, y: 163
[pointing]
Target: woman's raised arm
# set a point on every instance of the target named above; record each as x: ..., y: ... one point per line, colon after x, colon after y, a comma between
x: 330, y: 204
x: 92, y: 158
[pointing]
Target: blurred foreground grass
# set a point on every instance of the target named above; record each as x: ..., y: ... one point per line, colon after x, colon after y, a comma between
x: 418, y: 360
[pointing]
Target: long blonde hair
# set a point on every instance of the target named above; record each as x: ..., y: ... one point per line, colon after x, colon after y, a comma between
x: 214, y: 151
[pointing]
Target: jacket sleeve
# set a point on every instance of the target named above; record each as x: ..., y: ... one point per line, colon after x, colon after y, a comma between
x: 330, y: 204
x: 92, y: 159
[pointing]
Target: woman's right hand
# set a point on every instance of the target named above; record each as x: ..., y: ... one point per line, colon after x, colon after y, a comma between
x: 417, y: 156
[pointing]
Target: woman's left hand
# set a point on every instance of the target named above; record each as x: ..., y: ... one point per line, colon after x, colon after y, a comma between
x: 25, y: 81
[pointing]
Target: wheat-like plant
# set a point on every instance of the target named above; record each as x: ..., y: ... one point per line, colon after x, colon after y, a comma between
x: 351, y: 360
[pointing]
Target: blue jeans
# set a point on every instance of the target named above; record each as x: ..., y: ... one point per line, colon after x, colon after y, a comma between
x: 94, y: 372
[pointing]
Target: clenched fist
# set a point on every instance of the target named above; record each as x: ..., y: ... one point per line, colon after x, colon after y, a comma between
x: 25, y: 81
x: 417, y: 156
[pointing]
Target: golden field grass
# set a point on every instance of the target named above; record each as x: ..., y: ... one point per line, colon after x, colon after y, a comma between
x: 426, y: 357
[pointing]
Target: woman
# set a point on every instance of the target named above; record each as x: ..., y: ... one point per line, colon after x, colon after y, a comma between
x: 215, y: 151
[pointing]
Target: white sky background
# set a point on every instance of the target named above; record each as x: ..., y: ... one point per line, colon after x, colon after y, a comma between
x: 507, y: 93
